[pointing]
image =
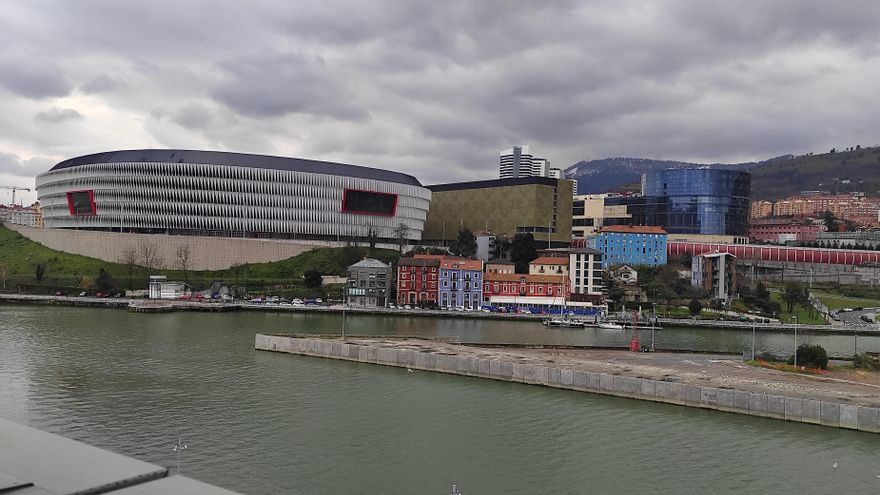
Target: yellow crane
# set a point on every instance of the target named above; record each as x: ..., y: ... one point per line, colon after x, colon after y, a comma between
x: 13, y: 189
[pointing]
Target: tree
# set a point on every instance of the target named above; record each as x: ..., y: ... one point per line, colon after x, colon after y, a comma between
x: 40, y: 271
x: 695, y: 307
x: 372, y: 237
x: 129, y: 258
x: 793, y: 293
x: 183, y: 261
x: 830, y: 221
x: 401, y: 233
x: 502, y: 246
x: 312, y: 279
x: 522, y: 251
x: 465, y: 245
x: 4, y: 275
x: 149, y: 253
x: 104, y: 281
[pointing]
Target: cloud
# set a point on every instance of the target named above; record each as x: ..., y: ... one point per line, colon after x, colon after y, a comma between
x: 57, y: 115
x: 436, y: 89
x: 12, y: 164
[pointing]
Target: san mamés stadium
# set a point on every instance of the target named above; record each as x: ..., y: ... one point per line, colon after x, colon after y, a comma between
x: 229, y: 194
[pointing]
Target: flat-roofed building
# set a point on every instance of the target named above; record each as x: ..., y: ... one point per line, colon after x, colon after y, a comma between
x: 368, y: 283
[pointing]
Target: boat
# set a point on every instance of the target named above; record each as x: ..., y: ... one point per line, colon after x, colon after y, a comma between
x: 610, y: 325
x: 559, y: 322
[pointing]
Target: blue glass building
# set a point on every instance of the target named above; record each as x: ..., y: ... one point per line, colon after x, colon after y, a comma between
x: 709, y: 201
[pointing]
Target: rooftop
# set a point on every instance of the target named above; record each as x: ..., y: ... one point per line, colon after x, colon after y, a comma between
x: 633, y: 229
x: 488, y: 184
x: 461, y: 264
x: 238, y: 160
x: 418, y: 262
x: 549, y: 260
x: 369, y: 263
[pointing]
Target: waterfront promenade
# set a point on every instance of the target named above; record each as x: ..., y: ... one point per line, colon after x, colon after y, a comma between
x: 696, y: 380
x: 217, y: 306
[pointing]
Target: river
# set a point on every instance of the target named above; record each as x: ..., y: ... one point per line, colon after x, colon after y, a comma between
x: 263, y: 423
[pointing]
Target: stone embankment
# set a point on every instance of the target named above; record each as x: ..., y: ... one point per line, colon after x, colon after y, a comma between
x: 717, y: 383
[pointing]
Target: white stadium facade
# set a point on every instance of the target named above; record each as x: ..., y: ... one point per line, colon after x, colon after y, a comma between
x: 211, y: 193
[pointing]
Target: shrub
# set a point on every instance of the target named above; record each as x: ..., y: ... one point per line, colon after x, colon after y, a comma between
x: 863, y: 361
x: 811, y: 356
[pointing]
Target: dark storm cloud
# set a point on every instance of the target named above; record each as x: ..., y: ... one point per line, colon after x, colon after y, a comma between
x: 436, y: 89
x: 271, y: 85
x: 31, y: 75
x: 57, y: 115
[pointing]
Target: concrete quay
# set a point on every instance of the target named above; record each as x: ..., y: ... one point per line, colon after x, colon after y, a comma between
x: 707, y: 382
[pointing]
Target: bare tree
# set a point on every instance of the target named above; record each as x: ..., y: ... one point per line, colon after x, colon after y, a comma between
x: 150, y: 258
x: 4, y: 275
x: 401, y: 233
x: 183, y: 260
x: 129, y: 258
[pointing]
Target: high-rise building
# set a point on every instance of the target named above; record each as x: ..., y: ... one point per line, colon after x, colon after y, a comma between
x: 519, y: 161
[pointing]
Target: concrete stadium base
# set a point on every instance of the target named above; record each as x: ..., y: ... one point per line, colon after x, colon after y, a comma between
x: 466, y: 363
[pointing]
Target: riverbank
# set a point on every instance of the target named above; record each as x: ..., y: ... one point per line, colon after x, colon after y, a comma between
x: 702, y: 381
x: 214, y: 306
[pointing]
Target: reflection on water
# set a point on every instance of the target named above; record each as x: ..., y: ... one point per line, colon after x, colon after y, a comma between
x: 264, y: 423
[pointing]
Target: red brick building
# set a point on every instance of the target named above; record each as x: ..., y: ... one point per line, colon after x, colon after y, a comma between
x: 417, y: 279
x: 525, y: 290
x: 770, y: 229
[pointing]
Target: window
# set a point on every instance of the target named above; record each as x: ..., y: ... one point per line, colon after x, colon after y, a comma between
x: 369, y: 202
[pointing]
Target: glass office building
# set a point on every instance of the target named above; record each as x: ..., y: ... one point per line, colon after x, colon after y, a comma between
x: 694, y: 201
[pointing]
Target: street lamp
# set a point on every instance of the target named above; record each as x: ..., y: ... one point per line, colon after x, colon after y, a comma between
x: 180, y: 447
x: 653, y: 323
x: 794, y: 318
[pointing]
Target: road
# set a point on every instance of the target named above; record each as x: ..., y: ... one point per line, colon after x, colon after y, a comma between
x: 854, y: 318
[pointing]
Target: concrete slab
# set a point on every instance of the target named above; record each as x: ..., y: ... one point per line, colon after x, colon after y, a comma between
x: 554, y: 377
x: 829, y: 413
x: 647, y: 388
x: 709, y: 397
x: 776, y: 406
x: 518, y: 372
x: 483, y: 367
x: 495, y: 369
x: 594, y: 380
x: 473, y: 366
x: 849, y: 416
x: 869, y: 419
x: 506, y: 371
x: 693, y: 394
x: 606, y: 382
x: 758, y: 404
x: 794, y: 409
x: 431, y: 361
x: 542, y: 374
x: 530, y: 373
x: 810, y: 411
x: 566, y: 378
x: 676, y: 393
x: 579, y: 380
x: 726, y: 399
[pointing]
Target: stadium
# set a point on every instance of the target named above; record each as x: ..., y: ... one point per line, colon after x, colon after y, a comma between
x: 211, y: 193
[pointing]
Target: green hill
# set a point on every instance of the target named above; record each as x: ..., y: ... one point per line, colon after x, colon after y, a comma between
x: 19, y: 257
x: 838, y: 172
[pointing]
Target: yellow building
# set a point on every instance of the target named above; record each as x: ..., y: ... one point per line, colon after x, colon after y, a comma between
x: 762, y: 209
x: 540, y: 206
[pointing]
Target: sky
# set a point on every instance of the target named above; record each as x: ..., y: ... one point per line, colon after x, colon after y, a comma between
x: 436, y: 88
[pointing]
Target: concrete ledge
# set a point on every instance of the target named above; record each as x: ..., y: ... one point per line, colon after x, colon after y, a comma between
x: 729, y: 400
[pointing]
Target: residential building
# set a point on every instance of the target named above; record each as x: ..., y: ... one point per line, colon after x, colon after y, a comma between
x: 762, y: 209
x: 519, y: 161
x: 27, y: 216
x: 630, y: 244
x: 5, y: 213
x: 778, y: 230
x: 585, y: 277
x: 417, y: 280
x: 368, y: 283
x: 538, y: 292
x: 592, y: 211
x: 485, y: 244
x: 624, y: 274
x: 499, y: 265
x: 547, y: 265
x: 716, y: 273
x: 461, y: 283
x: 536, y: 205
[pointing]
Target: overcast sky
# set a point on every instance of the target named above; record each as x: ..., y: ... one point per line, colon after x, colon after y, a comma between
x: 436, y: 88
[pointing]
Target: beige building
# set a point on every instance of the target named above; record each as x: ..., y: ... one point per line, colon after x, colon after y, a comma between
x: 589, y: 212
x: 762, y: 209
x: 503, y: 267
x: 546, y: 265
x: 539, y: 206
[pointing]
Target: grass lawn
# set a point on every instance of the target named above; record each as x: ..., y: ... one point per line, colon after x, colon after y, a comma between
x: 834, y: 301
x: 803, y: 316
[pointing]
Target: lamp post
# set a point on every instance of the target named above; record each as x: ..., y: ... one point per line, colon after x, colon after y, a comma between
x: 344, y: 305
x: 753, y: 340
x: 178, y: 448
x: 794, y: 318
x: 653, y: 323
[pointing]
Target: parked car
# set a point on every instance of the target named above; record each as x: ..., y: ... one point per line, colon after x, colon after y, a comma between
x: 867, y: 319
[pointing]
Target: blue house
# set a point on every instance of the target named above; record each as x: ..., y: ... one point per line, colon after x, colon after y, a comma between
x: 631, y: 245
x: 461, y: 283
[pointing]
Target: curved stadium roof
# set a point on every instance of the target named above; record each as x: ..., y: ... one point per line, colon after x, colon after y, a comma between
x: 239, y: 160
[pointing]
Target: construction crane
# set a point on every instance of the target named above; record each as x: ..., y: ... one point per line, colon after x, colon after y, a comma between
x: 13, y: 189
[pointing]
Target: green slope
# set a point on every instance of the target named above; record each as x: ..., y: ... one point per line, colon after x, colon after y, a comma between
x: 822, y: 172
x: 19, y: 257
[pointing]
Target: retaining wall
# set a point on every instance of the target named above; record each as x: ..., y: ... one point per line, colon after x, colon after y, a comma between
x: 736, y: 401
